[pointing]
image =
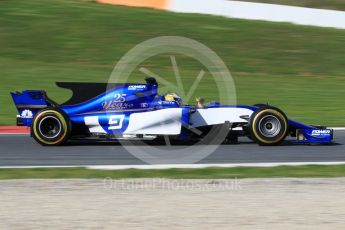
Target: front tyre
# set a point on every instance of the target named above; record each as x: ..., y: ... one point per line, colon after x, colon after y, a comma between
x: 268, y: 126
x: 50, y: 127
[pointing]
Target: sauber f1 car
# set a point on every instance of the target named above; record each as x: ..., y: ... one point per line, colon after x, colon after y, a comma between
x: 137, y: 111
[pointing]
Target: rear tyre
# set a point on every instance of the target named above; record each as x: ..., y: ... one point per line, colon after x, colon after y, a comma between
x: 268, y: 126
x: 51, y: 127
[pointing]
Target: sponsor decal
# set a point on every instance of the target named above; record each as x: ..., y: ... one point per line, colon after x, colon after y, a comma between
x: 168, y: 102
x: 120, y: 97
x: 116, y: 121
x: 136, y: 87
x: 26, y: 114
x: 144, y: 105
x: 113, y: 105
x: 119, y: 102
x: 320, y: 132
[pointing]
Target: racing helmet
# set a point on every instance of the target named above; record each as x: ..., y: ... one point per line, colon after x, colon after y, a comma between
x: 173, y: 97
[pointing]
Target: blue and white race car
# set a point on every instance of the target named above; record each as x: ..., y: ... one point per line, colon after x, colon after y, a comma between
x: 137, y: 111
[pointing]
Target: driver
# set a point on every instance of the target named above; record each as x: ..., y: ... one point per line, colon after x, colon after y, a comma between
x: 173, y: 97
x: 201, y: 102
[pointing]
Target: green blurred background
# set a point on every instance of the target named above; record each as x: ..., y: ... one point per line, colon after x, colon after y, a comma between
x: 297, y: 68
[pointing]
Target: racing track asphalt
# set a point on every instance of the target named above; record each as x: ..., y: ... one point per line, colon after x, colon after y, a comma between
x: 21, y: 150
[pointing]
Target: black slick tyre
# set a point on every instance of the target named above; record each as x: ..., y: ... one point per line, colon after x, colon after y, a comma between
x: 268, y: 126
x: 50, y: 127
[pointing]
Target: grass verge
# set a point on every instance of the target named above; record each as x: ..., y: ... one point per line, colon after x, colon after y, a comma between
x: 297, y: 68
x: 206, y: 173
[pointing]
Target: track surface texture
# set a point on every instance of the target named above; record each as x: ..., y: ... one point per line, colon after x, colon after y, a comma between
x: 22, y: 150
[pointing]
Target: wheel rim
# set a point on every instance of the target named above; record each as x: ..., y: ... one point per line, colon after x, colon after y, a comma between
x: 269, y: 126
x: 50, y: 127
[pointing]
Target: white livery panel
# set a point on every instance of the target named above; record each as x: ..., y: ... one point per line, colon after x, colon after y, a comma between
x: 159, y: 122
x: 214, y: 116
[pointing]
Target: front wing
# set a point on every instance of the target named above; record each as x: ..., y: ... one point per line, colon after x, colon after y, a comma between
x: 310, y: 134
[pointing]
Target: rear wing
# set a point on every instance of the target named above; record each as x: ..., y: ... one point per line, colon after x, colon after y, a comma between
x: 28, y: 103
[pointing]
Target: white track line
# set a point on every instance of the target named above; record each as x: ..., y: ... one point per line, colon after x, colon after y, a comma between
x: 200, y: 166
x: 41, y: 166
x: 179, y: 166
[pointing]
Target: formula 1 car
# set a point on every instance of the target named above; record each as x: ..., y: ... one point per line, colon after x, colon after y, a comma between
x: 137, y: 111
